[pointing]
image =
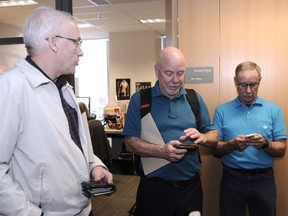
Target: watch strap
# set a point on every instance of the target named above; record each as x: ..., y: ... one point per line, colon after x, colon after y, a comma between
x: 265, y: 144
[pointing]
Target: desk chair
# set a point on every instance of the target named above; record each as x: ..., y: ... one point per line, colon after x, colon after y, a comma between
x: 100, y: 143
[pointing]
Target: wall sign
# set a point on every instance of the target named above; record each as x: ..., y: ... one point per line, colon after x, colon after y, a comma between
x: 142, y: 85
x: 199, y: 75
x: 123, y: 89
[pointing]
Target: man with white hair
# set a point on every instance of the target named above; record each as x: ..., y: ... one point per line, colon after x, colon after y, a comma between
x: 44, y: 154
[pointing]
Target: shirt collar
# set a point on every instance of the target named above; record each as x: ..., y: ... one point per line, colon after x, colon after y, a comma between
x: 28, y: 59
x: 258, y: 102
x: 157, y: 92
x: 61, y: 81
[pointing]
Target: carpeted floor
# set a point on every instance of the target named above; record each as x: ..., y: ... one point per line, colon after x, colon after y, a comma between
x: 119, y: 203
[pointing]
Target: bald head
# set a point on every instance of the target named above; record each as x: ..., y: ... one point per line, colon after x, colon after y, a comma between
x: 170, y: 54
x: 170, y: 71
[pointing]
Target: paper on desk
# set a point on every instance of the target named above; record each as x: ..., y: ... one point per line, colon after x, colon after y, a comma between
x: 150, y: 133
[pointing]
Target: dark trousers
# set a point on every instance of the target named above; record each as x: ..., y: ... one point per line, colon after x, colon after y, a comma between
x: 253, y: 189
x: 156, y: 197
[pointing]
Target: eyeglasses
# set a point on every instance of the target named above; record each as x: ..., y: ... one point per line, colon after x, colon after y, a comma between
x: 245, y: 85
x: 76, y: 42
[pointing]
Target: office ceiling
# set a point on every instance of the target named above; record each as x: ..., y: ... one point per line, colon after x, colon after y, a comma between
x: 118, y: 16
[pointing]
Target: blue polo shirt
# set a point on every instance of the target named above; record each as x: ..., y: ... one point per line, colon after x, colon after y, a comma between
x: 234, y: 118
x: 172, y: 117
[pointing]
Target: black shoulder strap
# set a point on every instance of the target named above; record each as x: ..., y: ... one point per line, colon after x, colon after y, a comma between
x: 145, y: 99
x: 194, y: 103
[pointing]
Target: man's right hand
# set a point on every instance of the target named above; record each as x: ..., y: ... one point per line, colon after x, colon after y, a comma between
x: 171, y: 153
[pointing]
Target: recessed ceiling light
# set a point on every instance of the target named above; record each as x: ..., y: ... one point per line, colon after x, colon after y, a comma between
x: 9, y: 3
x: 152, y: 21
x: 100, y: 2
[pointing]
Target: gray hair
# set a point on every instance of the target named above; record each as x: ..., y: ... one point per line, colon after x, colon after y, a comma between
x: 247, y: 65
x: 42, y: 23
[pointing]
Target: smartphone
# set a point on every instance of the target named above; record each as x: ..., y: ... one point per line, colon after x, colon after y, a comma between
x: 248, y: 136
x: 186, y: 146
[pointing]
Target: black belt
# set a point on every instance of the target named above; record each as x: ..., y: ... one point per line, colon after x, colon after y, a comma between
x: 176, y: 183
x: 248, y: 171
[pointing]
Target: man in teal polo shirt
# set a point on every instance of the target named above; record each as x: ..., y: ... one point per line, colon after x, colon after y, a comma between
x: 251, y: 132
x: 174, y: 188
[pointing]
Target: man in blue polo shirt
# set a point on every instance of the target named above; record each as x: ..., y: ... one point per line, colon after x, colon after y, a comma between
x: 174, y: 188
x: 251, y: 132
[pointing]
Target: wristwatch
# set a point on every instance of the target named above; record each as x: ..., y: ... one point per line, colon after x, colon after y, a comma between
x: 265, y: 144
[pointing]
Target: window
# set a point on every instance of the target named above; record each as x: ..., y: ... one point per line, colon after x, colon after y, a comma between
x: 91, y: 75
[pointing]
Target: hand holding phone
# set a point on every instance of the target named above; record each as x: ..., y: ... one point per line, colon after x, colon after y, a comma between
x: 250, y: 141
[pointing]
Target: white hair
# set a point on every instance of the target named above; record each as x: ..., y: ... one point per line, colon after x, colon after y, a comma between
x: 42, y: 23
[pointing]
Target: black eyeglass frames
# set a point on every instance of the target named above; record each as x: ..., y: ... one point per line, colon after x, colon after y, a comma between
x: 245, y: 85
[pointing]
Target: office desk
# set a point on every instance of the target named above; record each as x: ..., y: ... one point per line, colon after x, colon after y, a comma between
x: 116, y: 140
x: 113, y: 133
x: 119, y: 153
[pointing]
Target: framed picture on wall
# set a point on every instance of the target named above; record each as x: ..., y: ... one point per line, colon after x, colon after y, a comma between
x: 142, y: 85
x: 123, y: 89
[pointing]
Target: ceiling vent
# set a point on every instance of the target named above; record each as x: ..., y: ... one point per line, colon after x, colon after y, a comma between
x: 100, y: 2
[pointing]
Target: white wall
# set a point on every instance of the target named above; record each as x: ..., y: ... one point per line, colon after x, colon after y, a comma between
x: 10, y: 31
x: 132, y: 55
x: 9, y: 55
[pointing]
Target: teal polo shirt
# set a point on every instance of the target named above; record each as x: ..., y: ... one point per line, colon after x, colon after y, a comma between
x: 234, y: 118
x: 172, y: 117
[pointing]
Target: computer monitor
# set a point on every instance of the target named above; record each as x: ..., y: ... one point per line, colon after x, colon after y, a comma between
x: 85, y: 100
